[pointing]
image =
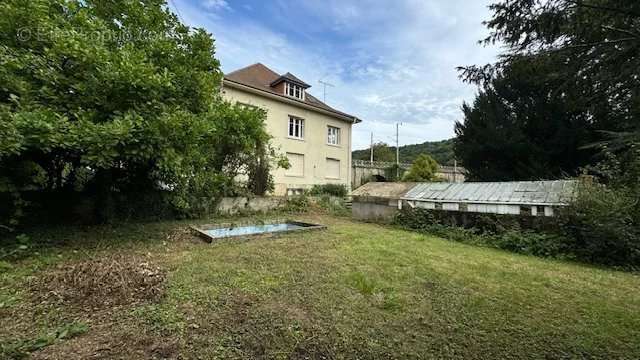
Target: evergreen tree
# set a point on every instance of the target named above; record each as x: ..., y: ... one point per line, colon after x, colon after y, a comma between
x: 520, y: 127
x: 582, y: 86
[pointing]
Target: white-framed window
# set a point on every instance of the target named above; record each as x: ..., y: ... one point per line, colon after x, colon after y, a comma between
x: 296, y: 127
x: 333, y: 135
x: 294, y: 90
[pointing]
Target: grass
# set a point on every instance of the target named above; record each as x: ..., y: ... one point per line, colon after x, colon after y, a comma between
x: 355, y: 290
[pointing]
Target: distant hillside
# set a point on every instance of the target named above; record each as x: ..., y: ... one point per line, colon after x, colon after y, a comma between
x: 441, y: 151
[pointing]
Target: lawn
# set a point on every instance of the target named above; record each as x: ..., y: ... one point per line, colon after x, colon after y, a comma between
x: 355, y: 290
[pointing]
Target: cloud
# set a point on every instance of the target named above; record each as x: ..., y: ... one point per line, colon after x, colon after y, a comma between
x: 216, y: 5
x: 389, y: 63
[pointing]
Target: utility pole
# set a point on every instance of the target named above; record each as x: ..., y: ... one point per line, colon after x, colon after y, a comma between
x: 455, y: 169
x: 324, y: 89
x: 397, y: 151
x: 371, y: 147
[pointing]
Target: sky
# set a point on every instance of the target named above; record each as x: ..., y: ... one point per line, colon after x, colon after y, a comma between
x: 389, y: 60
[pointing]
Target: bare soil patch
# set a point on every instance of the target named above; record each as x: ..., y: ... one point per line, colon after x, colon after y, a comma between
x: 112, y: 341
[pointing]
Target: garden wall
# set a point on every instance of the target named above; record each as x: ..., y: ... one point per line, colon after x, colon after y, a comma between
x: 235, y: 205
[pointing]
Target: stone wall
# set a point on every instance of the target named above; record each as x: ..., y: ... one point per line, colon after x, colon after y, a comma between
x: 235, y: 205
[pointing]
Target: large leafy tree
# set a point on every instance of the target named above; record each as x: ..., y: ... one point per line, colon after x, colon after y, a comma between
x: 590, y: 49
x: 116, y: 96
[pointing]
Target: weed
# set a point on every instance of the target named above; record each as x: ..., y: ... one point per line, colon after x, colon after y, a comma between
x: 22, y: 348
x: 366, y: 286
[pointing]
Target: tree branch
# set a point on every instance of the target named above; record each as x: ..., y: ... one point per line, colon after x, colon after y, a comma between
x: 624, y: 31
x: 579, y: 46
x: 580, y: 3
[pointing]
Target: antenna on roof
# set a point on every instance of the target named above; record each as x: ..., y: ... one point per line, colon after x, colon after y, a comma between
x: 324, y: 89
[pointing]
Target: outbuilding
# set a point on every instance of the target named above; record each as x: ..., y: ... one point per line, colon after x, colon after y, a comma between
x: 378, y: 200
x: 531, y: 198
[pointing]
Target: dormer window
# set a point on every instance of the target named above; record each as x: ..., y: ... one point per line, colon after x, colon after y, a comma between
x: 294, y: 90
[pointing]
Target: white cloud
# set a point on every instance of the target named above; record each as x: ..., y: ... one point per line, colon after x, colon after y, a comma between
x: 216, y: 5
x: 389, y: 63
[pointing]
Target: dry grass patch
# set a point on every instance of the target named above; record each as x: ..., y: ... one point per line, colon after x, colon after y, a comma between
x: 111, y: 280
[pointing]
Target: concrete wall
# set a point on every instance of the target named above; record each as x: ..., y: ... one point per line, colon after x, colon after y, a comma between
x: 235, y: 205
x: 374, y: 209
x: 314, y: 146
x: 361, y: 175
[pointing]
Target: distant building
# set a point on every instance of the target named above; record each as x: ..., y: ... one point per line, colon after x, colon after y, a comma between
x: 315, y: 137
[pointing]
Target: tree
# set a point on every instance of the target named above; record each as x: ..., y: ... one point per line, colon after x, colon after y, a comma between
x: 382, y: 152
x: 586, y: 53
x: 441, y: 151
x: 119, y: 97
x: 424, y: 168
x: 599, y: 41
x: 520, y: 128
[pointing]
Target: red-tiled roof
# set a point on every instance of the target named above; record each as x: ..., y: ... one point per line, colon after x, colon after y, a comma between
x: 262, y: 78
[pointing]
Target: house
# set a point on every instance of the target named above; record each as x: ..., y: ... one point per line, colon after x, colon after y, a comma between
x: 315, y: 137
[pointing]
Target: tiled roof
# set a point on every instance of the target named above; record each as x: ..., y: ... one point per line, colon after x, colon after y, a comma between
x: 294, y: 79
x: 260, y: 77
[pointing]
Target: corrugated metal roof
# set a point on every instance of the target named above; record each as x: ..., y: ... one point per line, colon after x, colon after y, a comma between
x: 557, y: 192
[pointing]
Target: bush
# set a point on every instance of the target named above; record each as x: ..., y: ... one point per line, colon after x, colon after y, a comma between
x: 605, y: 224
x: 424, y: 168
x: 338, y: 190
x: 497, y: 231
x: 332, y: 205
x: 297, y: 204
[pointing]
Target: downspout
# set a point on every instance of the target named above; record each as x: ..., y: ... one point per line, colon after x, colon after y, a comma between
x: 350, y: 165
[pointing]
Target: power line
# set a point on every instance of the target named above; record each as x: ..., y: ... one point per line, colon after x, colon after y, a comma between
x: 177, y: 12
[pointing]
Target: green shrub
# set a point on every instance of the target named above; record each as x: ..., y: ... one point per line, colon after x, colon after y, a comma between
x: 297, y: 204
x: 605, y: 223
x: 332, y: 205
x: 338, y: 190
x: 533, y: 243
x: 497, y: 231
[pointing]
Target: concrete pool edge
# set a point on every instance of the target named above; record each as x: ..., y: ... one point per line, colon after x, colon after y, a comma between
x: 201, y: 230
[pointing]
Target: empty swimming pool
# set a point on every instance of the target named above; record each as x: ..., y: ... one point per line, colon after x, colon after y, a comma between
x: 212, y: 232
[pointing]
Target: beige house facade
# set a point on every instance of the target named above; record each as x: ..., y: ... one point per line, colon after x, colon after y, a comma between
x: 315, y: 137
